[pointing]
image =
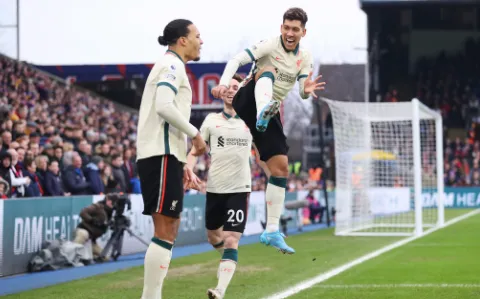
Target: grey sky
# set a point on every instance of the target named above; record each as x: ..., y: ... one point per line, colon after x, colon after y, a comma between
x: 118, y: 31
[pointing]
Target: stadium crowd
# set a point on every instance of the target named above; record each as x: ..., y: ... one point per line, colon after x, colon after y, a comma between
x: 449, y: 84
x: 59, y: 140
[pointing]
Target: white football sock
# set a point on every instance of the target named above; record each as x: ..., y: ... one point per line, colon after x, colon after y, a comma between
x: 227, y: 267
x: 157, y: 261
x: 275, y: 198
x: 263, y: 91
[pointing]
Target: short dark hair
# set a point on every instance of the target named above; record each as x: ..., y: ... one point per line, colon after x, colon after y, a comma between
x: 296, y: 14
x: 50, y: 162
x: 116, y: 156
x: 238, y: 78
x: 173, y: 31
x: 28, y: 162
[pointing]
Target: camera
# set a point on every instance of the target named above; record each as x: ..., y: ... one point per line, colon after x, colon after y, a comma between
x: 119, y: 202
x: 119, y: 224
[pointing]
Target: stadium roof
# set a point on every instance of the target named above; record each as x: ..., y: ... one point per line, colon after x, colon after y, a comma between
x: 369, y: 3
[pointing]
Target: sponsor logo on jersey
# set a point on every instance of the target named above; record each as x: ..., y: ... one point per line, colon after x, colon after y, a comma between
x: 284, y: 77
x: 232, y: 141
x: 221, y: 141
x: 237, y: 141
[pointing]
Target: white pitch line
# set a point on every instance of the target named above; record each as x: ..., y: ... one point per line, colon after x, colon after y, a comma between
x: 327, y: 275
x: 392, y: 286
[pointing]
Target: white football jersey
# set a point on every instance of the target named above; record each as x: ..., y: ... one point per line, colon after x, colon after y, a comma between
x: 230, y: 145
x: 155, y: 136
x: 290, y: 65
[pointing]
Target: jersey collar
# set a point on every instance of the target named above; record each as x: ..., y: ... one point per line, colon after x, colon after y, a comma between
x: 295, y: 51
x: 175, y: 54
x: 228, y: 116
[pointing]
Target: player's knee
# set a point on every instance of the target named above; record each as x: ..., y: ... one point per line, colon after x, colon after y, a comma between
x: 231, y: 242
x: 166, y: 228
x: 214, y: 238
x: 278, y: 166
x: 267, y: 71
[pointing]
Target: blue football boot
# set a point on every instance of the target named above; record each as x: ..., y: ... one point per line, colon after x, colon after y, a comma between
x: 276, y: 239
x: 269, y: 111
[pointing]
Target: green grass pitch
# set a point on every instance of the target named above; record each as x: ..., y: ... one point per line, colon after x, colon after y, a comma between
x: 442, y: 265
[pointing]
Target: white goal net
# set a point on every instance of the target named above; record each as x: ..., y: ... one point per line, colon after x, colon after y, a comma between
x: 389, y: 168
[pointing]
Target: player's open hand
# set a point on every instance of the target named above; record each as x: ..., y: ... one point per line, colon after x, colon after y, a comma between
x: 219, y: 91
x: 310, y: 86
x: 190, y: 180
x: 199, y: 145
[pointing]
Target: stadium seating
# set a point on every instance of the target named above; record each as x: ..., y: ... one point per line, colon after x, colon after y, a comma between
x: 447, y: 83
x: 57, y: 139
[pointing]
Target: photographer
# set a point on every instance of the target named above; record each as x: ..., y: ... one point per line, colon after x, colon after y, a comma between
x: 95, y: 221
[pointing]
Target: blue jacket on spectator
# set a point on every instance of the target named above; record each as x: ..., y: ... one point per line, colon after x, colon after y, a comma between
x: 92, y: 174
x: 53, y: 185
x: 75, y: 181
x: 33, y: 189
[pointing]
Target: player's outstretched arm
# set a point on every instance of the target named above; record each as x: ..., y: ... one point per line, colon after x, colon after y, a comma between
x: 248, y: 55
x: 307, y: 84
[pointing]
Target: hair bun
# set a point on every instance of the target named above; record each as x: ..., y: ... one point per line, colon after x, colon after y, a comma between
x: 161, y: 41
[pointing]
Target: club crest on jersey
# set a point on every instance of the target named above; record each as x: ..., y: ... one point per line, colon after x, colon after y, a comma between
x: 173, y: 67
x: 299, y: 63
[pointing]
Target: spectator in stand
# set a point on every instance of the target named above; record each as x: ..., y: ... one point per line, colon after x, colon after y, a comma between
x: 6, y: 163
x: 4, y: 188
x: 120, y: 173
x: 73, y: 177
x: 111, y: 185
x: 42, y: 166
x: 53, y: 183
x: 6, y: 140
x: 85, y: 151
x: 93, y: 175
x: 34, y: 189
x: 18, y: 182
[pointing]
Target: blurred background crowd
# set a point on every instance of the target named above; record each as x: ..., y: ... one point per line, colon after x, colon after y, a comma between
x: 60, y: 140
x: 57, y: 139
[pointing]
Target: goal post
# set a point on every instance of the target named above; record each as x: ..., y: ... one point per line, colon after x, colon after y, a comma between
x: 389, y: 168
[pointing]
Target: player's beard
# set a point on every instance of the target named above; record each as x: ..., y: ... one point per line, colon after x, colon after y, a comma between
x: 197, y: 59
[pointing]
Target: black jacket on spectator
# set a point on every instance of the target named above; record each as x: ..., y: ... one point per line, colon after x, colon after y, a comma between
x: 85, y: 158
x: 92, y: 174
x: 75, y: 182
x: 121, y: 176
x: 53, y: 185
x: 131, y: 169
x: 5, y: 172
